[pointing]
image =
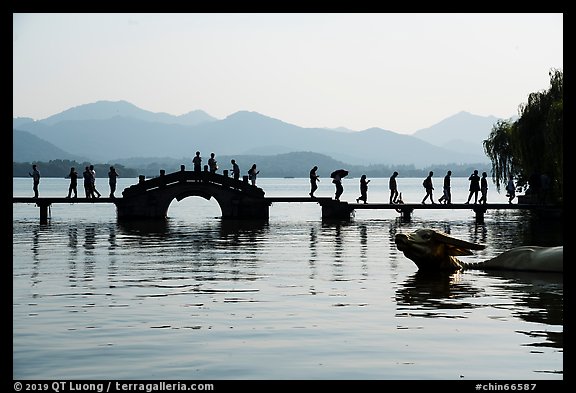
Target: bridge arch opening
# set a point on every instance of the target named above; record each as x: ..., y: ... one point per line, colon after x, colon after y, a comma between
x: 192, y: 206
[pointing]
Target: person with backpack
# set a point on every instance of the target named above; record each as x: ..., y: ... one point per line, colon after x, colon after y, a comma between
x: 427, y: 184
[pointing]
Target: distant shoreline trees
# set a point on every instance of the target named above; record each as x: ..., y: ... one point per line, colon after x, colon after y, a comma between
x: 284, y: 165
x: 61, y: 168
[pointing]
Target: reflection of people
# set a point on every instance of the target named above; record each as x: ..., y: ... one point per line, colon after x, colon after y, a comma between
x: 212, y: 163
x: 314, y: 179
x: 112, y: 175
x: 474, y: 186
x: 338, y: 183
x: 393, y: 188
x: 447, y: 195
x: 235, y: 169
x: 510, y: 189
x: 252, y: 173
x: 363, y: 189
x: 483, y: 188
x: 35, y: 175
x: 429, y: 188
x: 73, y: 176
x: 197, y: 161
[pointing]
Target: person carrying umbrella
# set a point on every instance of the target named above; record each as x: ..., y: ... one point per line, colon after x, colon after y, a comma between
x: 337, y: 176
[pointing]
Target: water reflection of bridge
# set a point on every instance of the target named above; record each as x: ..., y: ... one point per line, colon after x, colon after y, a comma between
x: 238, y: 199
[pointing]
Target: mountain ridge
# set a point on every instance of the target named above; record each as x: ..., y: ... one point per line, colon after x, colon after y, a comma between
x: 108, y: 109
x: 108, y: 130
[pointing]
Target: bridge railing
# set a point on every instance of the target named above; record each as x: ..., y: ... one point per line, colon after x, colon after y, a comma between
x: 183, y: 176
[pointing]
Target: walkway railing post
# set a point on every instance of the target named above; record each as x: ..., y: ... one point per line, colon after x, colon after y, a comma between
x: 162, y: 178
x: 182, y: 177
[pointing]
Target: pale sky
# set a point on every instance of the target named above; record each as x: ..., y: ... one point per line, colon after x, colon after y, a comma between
x: 397, y: 71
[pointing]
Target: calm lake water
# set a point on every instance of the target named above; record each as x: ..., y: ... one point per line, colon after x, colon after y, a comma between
x: 198, y: 298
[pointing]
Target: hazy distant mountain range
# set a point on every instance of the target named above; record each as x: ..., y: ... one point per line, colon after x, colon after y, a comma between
x: 108, y: 131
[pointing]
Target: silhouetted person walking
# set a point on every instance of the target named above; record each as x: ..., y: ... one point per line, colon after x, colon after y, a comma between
x: 235, y: 170
x: 95, y: 192
x: 363, y: 189
x: 474, y: 186
x: 393, y: 188
x: 510, y: 189
x: 314, y: 179
x: 427, y: 183
x: 484, y: 188
x: 197, y: 161
x: 446, y: 197
x: 337, y: 180
x: 73, y: 176
x: 87, y: 176
x: 112, y: 176
x: 212, y: 163
x: 252, y: 173
x: 35, y: 175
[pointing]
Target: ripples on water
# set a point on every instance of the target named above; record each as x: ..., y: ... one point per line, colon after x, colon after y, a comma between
x: 293, y: 297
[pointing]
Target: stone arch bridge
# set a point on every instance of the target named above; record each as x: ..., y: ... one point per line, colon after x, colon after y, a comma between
x: 151, y: 198
x: 238, y: 199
